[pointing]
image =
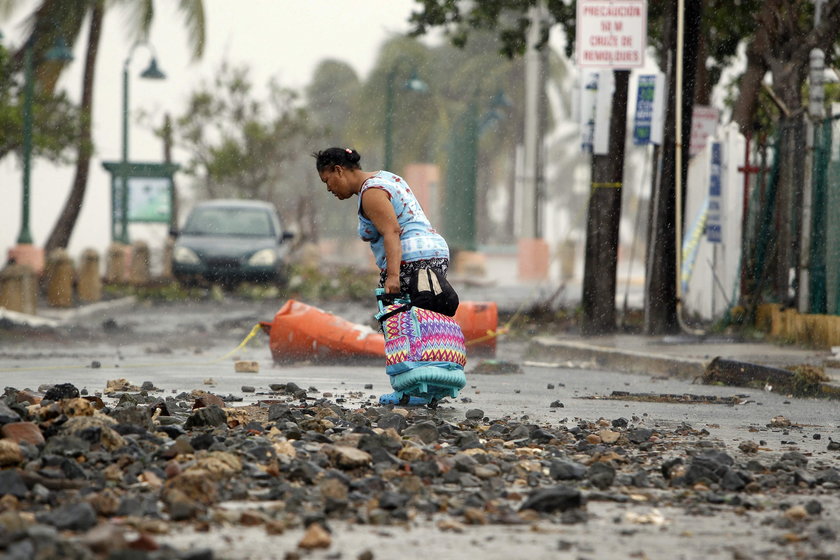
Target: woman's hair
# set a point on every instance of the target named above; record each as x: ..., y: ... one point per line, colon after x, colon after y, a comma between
x: 329, y: 158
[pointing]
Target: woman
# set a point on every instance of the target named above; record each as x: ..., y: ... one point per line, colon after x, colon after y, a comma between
x: 404, y: 243
x: 390, y: 218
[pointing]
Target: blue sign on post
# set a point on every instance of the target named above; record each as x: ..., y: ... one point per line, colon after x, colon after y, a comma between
x: 643, y: 121
x: 714, y: 232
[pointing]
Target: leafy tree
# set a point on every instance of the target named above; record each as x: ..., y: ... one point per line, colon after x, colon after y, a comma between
x: 55, y: 20
x: 238, y: 145
x: 54, y: 117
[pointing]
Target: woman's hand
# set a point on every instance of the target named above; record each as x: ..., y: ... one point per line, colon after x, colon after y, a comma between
x: 392, y: 284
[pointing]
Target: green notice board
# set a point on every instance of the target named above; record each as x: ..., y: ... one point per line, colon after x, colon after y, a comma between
x: 140, y: 193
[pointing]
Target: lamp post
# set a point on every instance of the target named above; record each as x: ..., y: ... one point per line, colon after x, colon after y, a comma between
x: 151, y: 73
x: 59, y: 52
x: 462, y: 172
x: 414, y: 83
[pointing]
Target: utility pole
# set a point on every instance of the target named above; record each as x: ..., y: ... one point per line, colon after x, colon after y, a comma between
x: 811, y: 296
x: 532, y: 249
x: 661, y: 270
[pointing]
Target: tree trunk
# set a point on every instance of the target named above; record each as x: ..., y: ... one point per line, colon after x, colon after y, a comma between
x: 63, y: 229
x: 661, y: 278
x: 601, y: 258
x: 749, y: 85
x: 167, y: 158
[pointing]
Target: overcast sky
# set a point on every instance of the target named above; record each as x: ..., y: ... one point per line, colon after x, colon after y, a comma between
x: 281, y: 38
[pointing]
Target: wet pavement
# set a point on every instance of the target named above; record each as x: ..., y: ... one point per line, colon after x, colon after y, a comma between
x: 612, y: 462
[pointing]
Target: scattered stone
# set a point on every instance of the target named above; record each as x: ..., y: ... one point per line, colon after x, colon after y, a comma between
x: 779, y: 422
x: 120, y: 385
x: 12, y: 484
x: 315, y: 537
x: 10, y: 453
x: 71, y: 517
x: 556, y: 404
x: 559, y: 498
x: 207, y: 416
x: 61, y: 391
x: 474, y: 414
x: 23, y: 431
x: 248, y: 389
x: 348, y: 457
x: 307, y: 461
x: 246, y: 366
x: 7, y: 414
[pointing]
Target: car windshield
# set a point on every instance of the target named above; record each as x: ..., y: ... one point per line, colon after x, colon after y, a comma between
x: 251, y: 222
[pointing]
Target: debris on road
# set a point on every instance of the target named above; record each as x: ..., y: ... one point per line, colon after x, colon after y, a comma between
x: 685, y: 398
x: 126, y: 474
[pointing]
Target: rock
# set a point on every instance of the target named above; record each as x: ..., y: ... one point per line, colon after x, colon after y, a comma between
x: 608, y: 436
x: 559, y: 498
x: 639, y: 435
x: 207, y: 416
x: 23, y: 431
x: 393, y: 420
x: 426, y: 432
x: 203, y: 398
x: 748, y: 446
x: 246, y: 366
x: 601, y: 475
x: 133, y: 415
x: 796, y: 513
x: 566, y: 470
x: 487, y: 472
x: 77, y: 407
x: 474, y: 414
x: 11, y: 484
x: 10, y: 453
x: 390, y: 501
x: 248, y: 389
x: 78, y: 516
x: 347, y: 457
x: 120, y: 385
x: 794, y: 458
x: 104, y: 538
x: 556, y: 404
x: 315, y: 537
x: 7, y: 414
x: 61, y: 391
x: 779, y: 422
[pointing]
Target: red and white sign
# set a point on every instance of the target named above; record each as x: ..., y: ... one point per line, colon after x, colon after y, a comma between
x: 704, y: 122
x: 611, y: 33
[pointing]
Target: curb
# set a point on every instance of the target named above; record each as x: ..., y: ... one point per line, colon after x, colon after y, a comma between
x: 58, y: 317
x: 626, y: 361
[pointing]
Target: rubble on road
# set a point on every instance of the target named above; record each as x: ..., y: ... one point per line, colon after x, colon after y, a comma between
x: 82, y: 477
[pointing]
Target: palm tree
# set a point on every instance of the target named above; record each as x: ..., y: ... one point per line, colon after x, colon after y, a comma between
x: 57, y: 19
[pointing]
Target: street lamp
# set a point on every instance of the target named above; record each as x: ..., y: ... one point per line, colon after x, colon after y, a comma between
x: 462, y: 171
x: 151, y: 73
x: 414, y: 83
x: 60, y: 53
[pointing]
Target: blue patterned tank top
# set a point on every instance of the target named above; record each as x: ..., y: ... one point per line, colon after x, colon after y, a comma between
x: 418, y: 238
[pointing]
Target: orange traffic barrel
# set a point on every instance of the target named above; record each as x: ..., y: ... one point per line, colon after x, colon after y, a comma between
x: 479, y: 320
x: 301, y: 331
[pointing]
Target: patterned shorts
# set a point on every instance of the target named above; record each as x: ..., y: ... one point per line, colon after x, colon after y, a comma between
x: 407, y: 269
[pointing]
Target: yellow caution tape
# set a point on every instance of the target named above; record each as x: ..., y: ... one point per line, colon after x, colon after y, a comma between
x: 257, y: 328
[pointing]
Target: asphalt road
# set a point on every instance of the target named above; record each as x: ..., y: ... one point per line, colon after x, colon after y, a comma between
x: 183, y: 346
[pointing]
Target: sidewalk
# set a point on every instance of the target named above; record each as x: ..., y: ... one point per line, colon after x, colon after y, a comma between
x: 682, y: 356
